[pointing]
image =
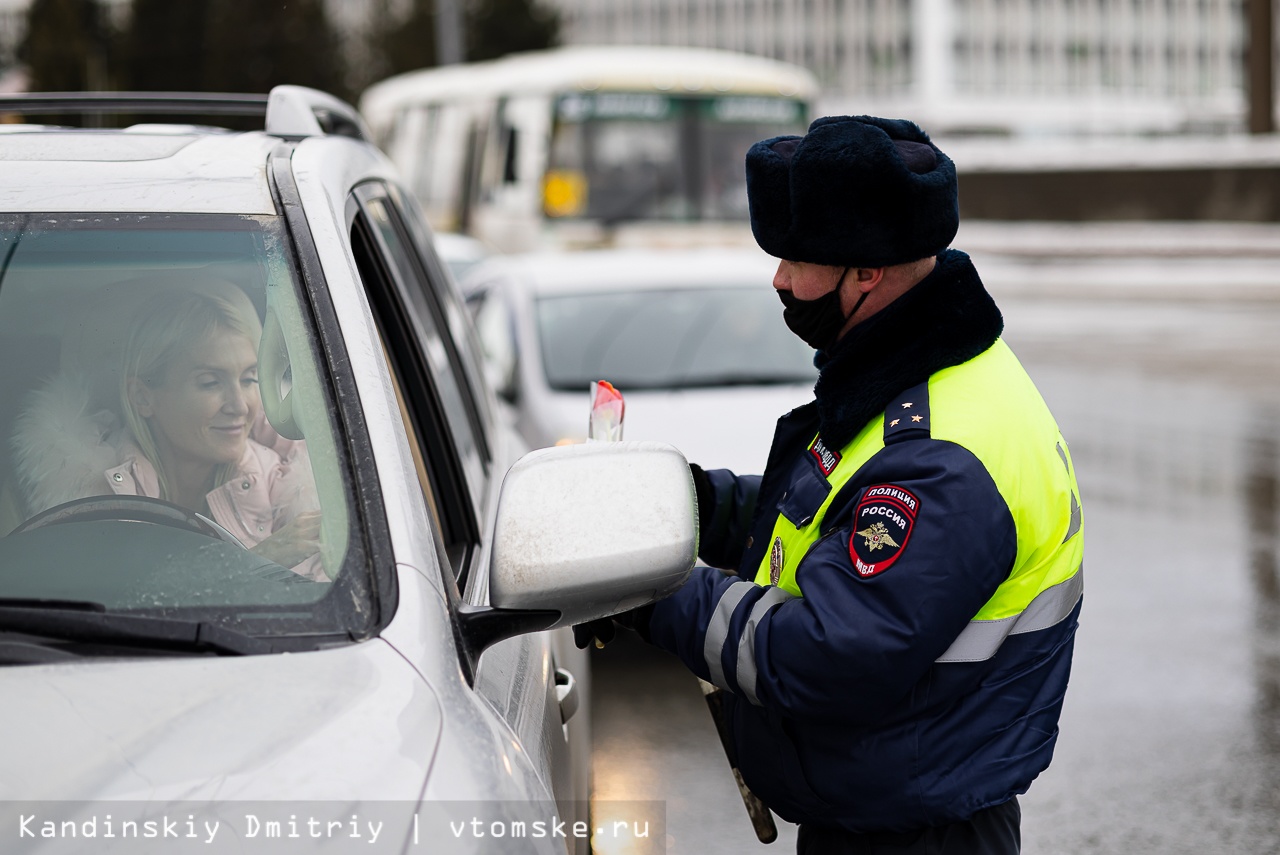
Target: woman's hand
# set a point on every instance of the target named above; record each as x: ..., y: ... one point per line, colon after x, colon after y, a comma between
x: 294, y: 543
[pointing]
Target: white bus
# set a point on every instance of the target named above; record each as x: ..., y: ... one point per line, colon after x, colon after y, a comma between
x: 582, y: 146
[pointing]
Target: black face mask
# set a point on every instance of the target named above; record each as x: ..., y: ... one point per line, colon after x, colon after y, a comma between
x: 817, y: 322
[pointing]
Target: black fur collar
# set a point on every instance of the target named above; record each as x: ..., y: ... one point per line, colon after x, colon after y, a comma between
x: 947, y: 319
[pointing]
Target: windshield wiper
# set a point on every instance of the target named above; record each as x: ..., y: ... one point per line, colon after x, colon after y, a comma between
x: 75, y: 620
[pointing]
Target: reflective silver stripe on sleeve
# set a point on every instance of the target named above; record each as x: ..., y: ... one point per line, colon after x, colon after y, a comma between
x: 982, y: 638
x: 718, y: 628
x: 1063, y: 454
x: 1074, y: 527
x: 747, y: 643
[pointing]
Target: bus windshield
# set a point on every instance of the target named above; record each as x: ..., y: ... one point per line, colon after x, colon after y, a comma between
x: 618, y: 156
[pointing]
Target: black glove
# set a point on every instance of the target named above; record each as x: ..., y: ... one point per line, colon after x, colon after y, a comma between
x: 601, y: 630
x: 605, y: 630
x: 702, y: 489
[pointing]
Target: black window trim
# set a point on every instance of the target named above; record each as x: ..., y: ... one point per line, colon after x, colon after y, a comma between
x: 370, y: 542
x: 433, y: 273
x: 448, y: 478
x: 438, y: 272
x: 474, y: 627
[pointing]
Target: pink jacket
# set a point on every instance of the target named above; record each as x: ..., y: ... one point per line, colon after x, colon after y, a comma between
x: 62, y: 452
x: 254, y: 503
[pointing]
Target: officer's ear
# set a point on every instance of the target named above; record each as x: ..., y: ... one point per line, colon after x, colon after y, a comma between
x: 867, y: 278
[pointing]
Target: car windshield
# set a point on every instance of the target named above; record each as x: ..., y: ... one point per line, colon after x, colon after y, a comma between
x: 669, y: 339
x: 168, y: 448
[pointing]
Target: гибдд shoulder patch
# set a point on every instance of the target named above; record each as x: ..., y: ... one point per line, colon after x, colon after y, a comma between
x: 827, y: 459
x: 882, y: 526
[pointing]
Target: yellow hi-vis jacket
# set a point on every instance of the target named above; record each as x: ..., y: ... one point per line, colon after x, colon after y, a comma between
x: 898, y: 637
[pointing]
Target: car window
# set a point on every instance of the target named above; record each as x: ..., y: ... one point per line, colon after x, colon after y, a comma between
x: 425, y: 385
x: 168, y: 438
x: 453, y: 310
x: 457, y: 398
x: 669, y: 339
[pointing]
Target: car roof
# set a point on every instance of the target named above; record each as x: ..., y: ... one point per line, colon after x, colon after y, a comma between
x: 124, y: 171
x: 153, y: 168
x: 594, y: 271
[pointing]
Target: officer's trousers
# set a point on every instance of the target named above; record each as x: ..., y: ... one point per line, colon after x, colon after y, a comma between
x: 994, y: 831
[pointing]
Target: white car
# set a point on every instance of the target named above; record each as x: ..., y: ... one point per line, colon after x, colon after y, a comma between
x: 694, y: 340
x: 459, y: 252
x: 363, y: 621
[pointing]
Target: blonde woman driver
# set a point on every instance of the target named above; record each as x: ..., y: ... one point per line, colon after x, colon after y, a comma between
x: 187, y: 410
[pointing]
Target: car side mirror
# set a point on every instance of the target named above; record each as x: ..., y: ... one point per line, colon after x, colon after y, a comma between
x: 584, y: 532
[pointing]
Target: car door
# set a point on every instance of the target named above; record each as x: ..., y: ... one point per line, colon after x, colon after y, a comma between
x: 461, y: 455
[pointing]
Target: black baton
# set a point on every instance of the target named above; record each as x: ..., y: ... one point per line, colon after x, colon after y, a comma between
x: 761, y: 818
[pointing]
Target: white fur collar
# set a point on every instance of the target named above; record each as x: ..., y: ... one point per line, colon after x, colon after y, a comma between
x: 60, y: 450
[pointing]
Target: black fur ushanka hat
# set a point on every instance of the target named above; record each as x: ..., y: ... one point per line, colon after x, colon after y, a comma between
x: 855, y: 191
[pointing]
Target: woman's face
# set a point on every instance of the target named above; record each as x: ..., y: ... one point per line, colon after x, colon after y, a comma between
x: 202, y: 411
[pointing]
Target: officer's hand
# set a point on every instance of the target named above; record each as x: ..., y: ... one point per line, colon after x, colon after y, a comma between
x: 702, y: 489
x: 600, y: 631
x: 604, y: 630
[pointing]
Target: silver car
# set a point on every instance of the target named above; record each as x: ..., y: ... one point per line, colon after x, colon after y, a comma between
x: 271, y: 567
x: 694, y: 340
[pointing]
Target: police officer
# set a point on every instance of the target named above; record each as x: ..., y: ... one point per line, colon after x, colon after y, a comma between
x: 896, y: 640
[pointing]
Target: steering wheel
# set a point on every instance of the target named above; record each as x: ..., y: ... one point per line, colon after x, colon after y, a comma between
x: 141, y: 509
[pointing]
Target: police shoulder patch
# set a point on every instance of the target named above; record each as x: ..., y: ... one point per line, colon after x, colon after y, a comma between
x: 882, y: 526
x: 827, y: 459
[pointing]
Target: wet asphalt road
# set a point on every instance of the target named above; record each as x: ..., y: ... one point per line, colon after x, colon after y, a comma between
x: 1162, y: 366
